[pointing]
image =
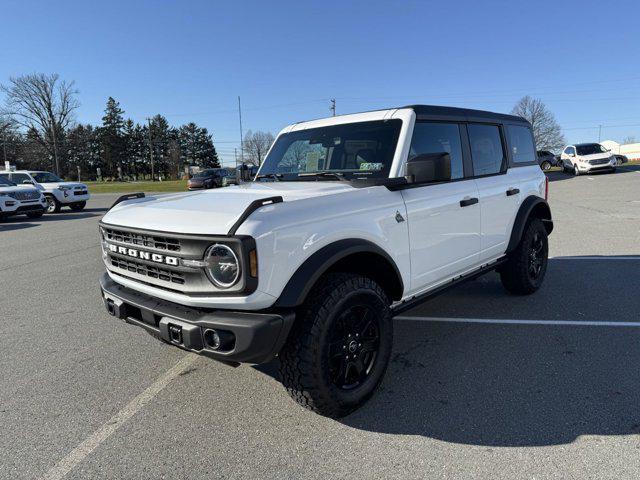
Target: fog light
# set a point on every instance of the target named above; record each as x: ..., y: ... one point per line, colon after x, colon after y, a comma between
x: 219, y: 339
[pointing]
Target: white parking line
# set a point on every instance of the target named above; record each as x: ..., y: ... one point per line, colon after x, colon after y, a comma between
x: 508, y: 321
x: 68, y: 463
x: 598, y: 257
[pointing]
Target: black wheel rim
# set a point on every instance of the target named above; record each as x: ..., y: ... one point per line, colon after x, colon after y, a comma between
x: 536, y: 256
x: 354, y: 340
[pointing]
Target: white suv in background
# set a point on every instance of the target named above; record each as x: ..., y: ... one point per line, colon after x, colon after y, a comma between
x: 586, y: 158
x: 57, y: 192
x: 20, y: 200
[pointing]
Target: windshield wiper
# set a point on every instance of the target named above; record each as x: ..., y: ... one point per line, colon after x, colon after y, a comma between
x: 275, y: 176
x: 337, y: 175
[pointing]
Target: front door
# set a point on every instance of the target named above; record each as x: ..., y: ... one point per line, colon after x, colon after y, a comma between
x: 443, y: 218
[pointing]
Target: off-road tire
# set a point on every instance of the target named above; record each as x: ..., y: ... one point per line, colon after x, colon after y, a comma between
x: 35, y: 214
x: 304, y: 360
x: 76, y: 207
x: 516, y: 274
x: 545, y: 166
x: 53, y: 205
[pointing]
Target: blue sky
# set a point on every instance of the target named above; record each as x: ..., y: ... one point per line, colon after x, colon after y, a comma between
x: 189, y: 60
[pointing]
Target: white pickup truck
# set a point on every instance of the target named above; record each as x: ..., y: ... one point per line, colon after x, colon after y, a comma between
x: 350, y: 220
x: 20, y: 200
x: 57, y: 192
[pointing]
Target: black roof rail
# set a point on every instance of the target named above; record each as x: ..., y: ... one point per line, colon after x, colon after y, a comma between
x: 125, y: 197
x: 252, y: 207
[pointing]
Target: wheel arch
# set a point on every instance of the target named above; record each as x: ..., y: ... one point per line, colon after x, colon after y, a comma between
x: 350, y: 256
x: 531, y: 207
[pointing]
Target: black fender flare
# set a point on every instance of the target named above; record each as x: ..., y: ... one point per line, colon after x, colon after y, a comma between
x: 532, y: 205
x: 301, y: 282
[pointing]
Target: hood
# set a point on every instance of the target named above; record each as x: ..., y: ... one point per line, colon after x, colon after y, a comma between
x: 64, y: 184
x: 211, y: 211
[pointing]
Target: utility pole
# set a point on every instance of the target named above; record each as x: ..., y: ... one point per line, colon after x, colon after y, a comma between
x: 599, y: 132
x: 153, y: 178
x: 4, y: 142
x: 241, y: 137
x: 333, y: 107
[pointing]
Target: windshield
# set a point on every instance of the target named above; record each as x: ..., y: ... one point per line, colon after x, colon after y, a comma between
x: 354, y: 150
x: 46, y: 177
x: 590, y: 149
x: 5, y: 182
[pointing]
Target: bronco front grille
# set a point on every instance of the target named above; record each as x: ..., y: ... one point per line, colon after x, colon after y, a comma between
x: 25, y: 194
x: 143, y: 240
x: 148, y: 270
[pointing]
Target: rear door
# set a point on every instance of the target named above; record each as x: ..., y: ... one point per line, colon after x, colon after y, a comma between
x: 444, y: 218
x: 498, y: 192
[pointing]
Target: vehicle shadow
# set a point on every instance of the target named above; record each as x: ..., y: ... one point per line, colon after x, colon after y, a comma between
x: 4, y: 227
x: 516, y: 385
x: 53, y: 217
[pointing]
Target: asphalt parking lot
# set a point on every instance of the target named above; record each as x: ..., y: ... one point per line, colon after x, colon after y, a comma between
x: 481, y: 384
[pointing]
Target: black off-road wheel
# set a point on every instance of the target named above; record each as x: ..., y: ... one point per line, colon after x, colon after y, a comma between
x: 545, y: 166
x: 76, y: 207
x: 340, y: 346
x: 53, y: 205
x: 525, y: 269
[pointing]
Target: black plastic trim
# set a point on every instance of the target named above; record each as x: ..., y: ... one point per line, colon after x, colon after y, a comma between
x: 252, y: 207
x: 418, y: 299
x: 258, y: 336
x: 316, y: 265
x: 125, y: 197
x: 524, y: 212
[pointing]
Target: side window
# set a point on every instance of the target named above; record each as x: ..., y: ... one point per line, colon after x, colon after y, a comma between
x: 19, y: 177
x: 486, y: 149
x: 438, y: 138
x: 521, y: 144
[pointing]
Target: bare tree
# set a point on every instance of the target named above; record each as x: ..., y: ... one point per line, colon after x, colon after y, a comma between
x: 546, y: 130
x: 628, y: 139
x: 7, y: 127
x: 256, y: 145
x: 44, y: 104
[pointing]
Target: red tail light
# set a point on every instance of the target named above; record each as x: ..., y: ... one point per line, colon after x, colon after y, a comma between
x: 546, y: 188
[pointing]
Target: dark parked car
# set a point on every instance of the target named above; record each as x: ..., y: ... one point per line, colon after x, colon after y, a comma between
x: 546, y: 160
x: 210, y: 178
x: 620, y: 159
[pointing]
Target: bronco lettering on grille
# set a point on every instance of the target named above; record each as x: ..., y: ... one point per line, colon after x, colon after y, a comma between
x: 154, y: 257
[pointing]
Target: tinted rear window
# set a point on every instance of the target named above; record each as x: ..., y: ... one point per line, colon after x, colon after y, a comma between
x: 521, y: 144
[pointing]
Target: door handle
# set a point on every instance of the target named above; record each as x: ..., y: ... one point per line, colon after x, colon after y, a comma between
x: 468, y: 201
x: 513, y: 191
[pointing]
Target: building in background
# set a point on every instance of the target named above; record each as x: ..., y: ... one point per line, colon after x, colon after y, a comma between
x: 629, y: 150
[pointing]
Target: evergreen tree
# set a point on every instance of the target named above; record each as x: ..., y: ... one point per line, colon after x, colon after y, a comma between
x: 112, y: 138
x: 82, y: 150
x: 160, y: 138
x: 197, y: 147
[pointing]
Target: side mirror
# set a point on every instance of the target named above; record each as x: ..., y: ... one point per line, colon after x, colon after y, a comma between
x: 429, y: 168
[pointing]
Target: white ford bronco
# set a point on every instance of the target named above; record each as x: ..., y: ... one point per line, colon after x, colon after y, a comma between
x: 350, y: 220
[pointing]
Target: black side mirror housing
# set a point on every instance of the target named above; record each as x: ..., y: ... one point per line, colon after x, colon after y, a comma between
x: 429, y: 168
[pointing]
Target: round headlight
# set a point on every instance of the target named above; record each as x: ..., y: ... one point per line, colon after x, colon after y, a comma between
x: 223, y: 267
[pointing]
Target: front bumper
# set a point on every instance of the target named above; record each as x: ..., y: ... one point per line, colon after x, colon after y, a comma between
x: 10, y: 208
x: 68, y: 196
x: 258, y: 337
